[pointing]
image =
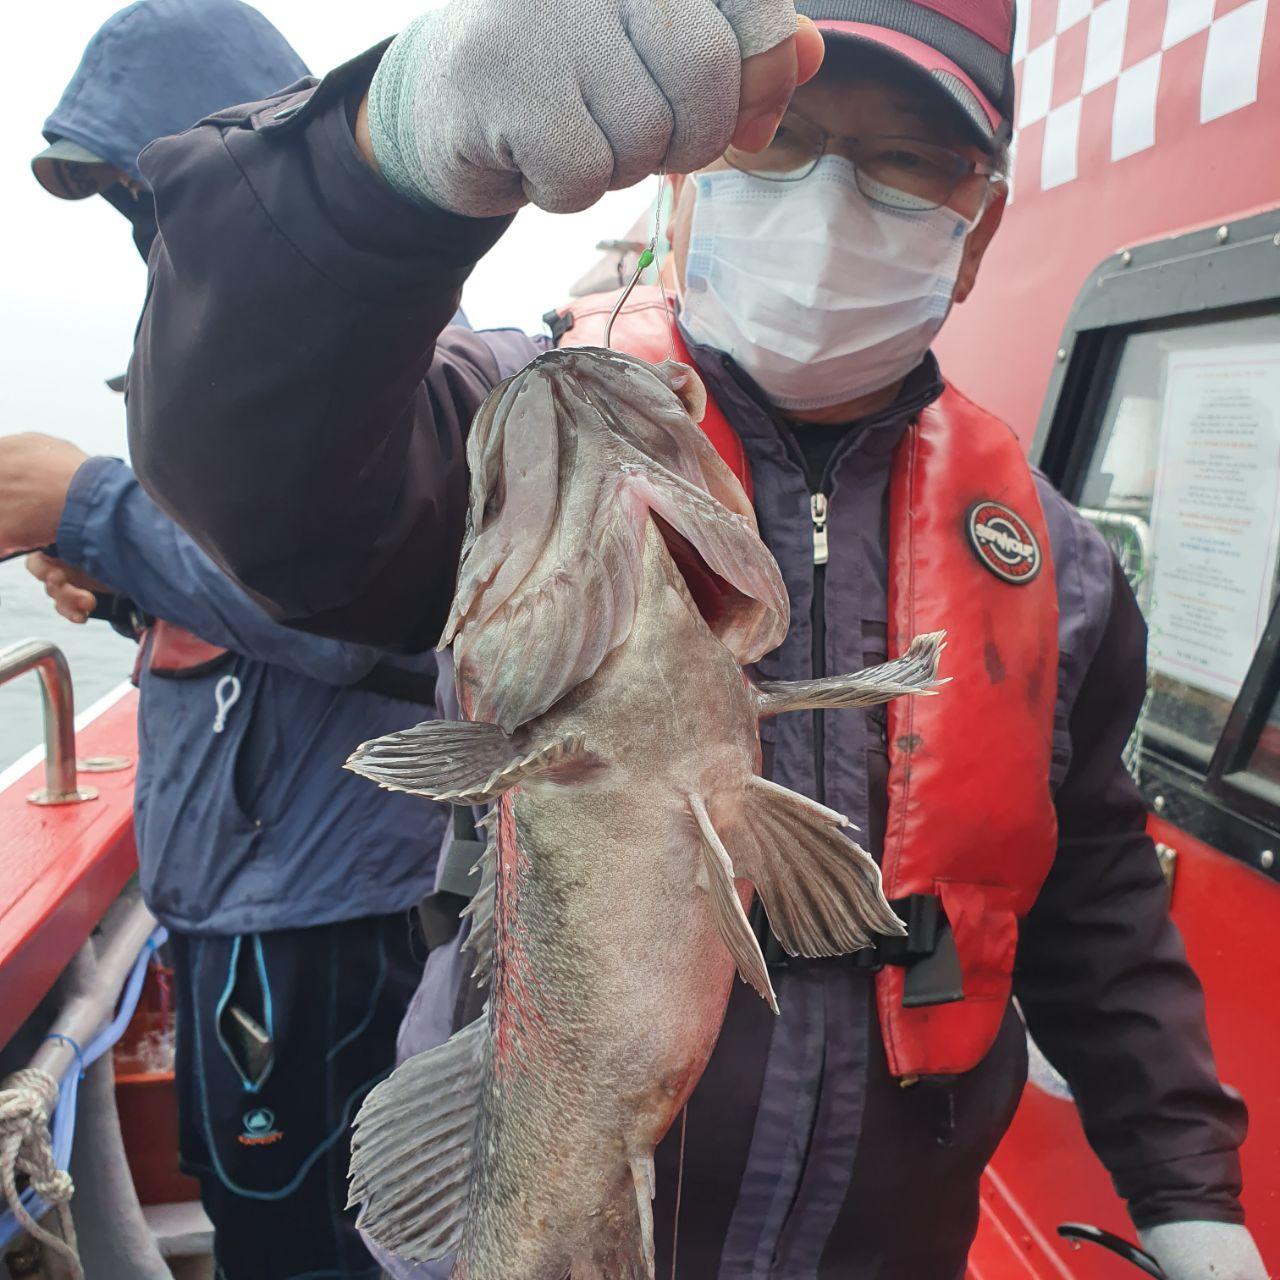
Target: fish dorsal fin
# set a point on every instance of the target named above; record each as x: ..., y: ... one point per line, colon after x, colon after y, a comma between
x: 480, y: 937
x: 550, y: 578
x: 411, y: 1151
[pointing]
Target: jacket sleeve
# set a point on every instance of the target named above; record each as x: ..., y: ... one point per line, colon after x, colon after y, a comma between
x: 292, y: 401
x: 113, y: 531
x: 1103, y: 977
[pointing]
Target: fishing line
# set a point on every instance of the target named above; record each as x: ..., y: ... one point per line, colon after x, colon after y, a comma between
x: 675, y: 1227
x: 648, y: 258
x: 658, y: 240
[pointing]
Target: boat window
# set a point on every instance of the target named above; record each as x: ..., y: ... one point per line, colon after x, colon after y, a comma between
x: 1264, y: 764
x: 1184, y: 482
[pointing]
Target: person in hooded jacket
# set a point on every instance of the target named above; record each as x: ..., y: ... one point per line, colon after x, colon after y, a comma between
x: 299, y: 401
x: 286, y: 885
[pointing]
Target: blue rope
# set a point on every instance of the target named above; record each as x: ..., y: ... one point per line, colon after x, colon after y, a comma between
x: 64, y: 1116
x: 75, y: 1048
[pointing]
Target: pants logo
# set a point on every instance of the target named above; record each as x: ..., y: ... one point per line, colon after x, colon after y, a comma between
x: 260, y: 1128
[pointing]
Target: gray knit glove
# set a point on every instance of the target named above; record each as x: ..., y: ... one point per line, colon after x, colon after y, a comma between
x: 1204, y: 1251
x: 485, y: 104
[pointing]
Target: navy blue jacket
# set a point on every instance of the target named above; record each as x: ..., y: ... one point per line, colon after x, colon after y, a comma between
x: 256, y: 827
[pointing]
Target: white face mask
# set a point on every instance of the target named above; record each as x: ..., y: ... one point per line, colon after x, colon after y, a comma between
x: 819, y: 294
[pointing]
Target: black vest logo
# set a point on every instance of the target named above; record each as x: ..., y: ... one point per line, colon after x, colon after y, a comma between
x: 1002, y: 540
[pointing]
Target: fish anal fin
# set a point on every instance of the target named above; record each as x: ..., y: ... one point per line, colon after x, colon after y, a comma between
x: 822, y: 892
x: 411, y: 1150
x: 915, y: 672
x: 717, y: 878
x: 460, y: 761
x: 621, y: 1246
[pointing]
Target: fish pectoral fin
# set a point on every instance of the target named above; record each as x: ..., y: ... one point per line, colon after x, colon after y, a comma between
x: 461, y: 761
x: 411, y: 1149
x: 916, y: 671
x: 821, y: 891
x: 717, y: 878
x: 480, y: 937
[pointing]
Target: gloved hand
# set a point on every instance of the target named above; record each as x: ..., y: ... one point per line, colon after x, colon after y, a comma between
x: 485, y: 104
x: 1204, y: 1251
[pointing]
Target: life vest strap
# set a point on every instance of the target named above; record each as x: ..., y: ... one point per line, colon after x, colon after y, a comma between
x: 928, y: 953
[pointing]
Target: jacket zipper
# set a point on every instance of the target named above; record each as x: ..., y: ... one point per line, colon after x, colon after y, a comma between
x: 818, y: 503
x: 818, y: 629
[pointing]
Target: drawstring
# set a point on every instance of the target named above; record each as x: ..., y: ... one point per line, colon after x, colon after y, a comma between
x: 225, y: 695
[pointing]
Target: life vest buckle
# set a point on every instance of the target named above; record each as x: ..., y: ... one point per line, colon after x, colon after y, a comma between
x: 927, y: 952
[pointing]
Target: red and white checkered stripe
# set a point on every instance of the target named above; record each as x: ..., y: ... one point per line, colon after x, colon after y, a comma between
x: 1092, y: 77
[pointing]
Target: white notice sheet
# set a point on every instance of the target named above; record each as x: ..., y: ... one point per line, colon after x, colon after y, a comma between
x: 1214, y: 519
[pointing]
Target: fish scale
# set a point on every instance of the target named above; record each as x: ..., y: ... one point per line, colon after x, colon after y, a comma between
x: 632, y: 825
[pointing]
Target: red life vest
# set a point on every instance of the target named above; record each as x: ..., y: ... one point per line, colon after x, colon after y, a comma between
x: 971, y: 816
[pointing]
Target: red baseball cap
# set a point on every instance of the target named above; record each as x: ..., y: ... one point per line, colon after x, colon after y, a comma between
x: 964, y: 46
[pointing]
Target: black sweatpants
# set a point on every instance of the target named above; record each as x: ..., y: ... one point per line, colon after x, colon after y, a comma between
x: 280, y: 1036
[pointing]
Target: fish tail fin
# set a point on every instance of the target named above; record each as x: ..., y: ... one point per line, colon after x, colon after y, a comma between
x: 461, y: 761
x: 916, y: 671
x: 411, y: 1148
x: 622, y: 1239
x: 822, y: 892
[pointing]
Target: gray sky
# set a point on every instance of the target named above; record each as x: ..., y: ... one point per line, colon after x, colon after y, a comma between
x: 72, y: 282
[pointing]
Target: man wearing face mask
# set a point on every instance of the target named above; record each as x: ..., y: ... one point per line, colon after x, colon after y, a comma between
x: 313, y: 247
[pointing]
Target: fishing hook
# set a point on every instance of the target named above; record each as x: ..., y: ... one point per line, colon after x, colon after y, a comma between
x: 646, y: 260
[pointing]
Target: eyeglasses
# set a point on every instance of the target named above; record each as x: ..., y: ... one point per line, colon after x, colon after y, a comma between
x: 897, y: 172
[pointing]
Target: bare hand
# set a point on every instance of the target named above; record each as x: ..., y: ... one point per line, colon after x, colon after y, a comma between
x: 768, y: 81
x: 73, y: 592
x: 35, y: 473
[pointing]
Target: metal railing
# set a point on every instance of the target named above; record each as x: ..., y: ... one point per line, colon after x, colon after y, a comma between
x: 49, y: 663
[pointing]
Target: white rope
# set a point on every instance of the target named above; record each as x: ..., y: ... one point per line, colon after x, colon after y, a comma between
x: 27, y: 1100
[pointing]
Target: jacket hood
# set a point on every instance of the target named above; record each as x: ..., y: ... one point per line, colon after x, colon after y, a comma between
x: 159, y: 66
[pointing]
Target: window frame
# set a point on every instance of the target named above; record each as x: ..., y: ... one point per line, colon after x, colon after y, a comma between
x: 1211, y: 275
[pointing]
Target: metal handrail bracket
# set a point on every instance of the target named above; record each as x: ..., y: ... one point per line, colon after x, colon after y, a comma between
x: 58, y: 699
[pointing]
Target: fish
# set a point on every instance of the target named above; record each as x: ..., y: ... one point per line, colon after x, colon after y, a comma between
x: 612, y: 592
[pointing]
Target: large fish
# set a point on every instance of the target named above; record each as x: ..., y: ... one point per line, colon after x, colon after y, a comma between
x: 613, y: 585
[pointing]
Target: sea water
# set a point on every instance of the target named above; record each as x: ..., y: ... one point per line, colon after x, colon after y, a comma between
x: 100, y: 659
x: 55, y: 358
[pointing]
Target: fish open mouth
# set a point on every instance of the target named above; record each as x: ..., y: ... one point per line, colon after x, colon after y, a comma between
x: 716, y: 598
